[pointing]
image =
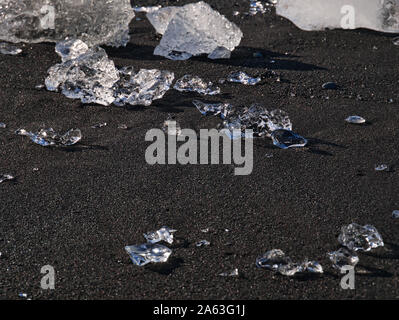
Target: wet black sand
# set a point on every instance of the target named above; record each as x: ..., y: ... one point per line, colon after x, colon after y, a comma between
x: 86, y: 203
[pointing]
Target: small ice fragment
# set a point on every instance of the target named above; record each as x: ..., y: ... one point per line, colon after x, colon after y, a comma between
x: 285, y: 139
x: 272, y: 259
x: 122, y: 126
x: 23, y: 295
x: 355, y: 120
x: 197, y: 29
x: 148, y: 252
x: 329, y: 86
x: 202, y: 243
x: 395, y: 41
x: 171, y: 127
x: 163, y: 234
x: 213, y: 109
x: 7, y: 48
x: 147, y: 9
x: 236, y: 13
x: 206, y: 230
x: 395, y: 214
x: 312, y: 267
x: 189, y: 83
x: 360, y: 238
x: 256, y: 7
x: 220, y: 53
x: 99, y: 125
x: 243, y: 78
x: 48, y: 137
x: 233, y: 273
x: 71, y: 49
x: 381, y: 167
x: 39, y: 86
x: 3, y: 125
x: 343, y: 257
x: 35, y: 169
x: 6, y: 177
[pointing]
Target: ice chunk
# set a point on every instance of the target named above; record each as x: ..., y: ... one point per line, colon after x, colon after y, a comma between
x: 233, y: 273
x: 343, y: 257
x: 3, y: 125
x: 285, y: 139
x: 6, y: 177
x: 381, y: 167
x: 6, y: 48
x: 202, y: 243
x: 395, y: 41
x: 242, y: 77
x: 355, y: 120
x: 143, y: 87
x: 48, y: 137
x: 189, y: 83
x: 163, y: 234
x: 395, y: 214
x: 94, y: 22
x: 214, y: 109
x: 380, y: 15
x: 196, y: 29
x: 220, y: 53
x: 90, y: 77
x: 70, y: 49
x: 360, y: 238
x: 99, y: 125
x: 160, y: 18
x: 171, y: 127
x: 312, y: 267
x: 148, y: 252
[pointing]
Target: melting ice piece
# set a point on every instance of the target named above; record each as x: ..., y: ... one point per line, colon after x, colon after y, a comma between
x: 171, y: 127
x: 276, y: 260
x: 360, y: 238
x: 220, y: 53
x: 6, y: 177
x: 160, y: 18
x: 355, y: 120
x: 141, y: 88
x: 202, y: 243
x: 189, y: 83
x: 90, y: 77
x: 395, y: 214
x: 70, y: 49
x: 163, y: 234
x: 148, y: 252
x: 285, y: 139
x: 242, y: 77
x: 196, y: 29
x: 94, y: 22
x: 213, y: 109
x: 343, y: 257
x: 233, y: 273
x: 380, y: 15
x: 48, y: 137
x: 381, y: 167
x: 6, y: 48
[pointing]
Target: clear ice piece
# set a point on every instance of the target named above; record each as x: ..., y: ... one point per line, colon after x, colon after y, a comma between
x: 360, y: 238
x: 381, y: 167
x: 6, y: 177
x: 70, y: 49
x: 196, y: 29
x: 233, y: 273
x: 355, y: 119
x: 202, y: 243
x: 48, y: 137
x: 94, y: 22
x: 6, y: 48
x: 163, y: 234
x: 171, y: 127
x: 90, y: 77
x: 276, y: 260
x: 395, y: 214
x: 160, y: 18
x: 285, y: 139
x: 213, y: 109
x: 3, y: 125
x: 189, y: 83
x: 99, y: 125
x: 148, y: 252
x: 312, y: 267
x: 143, y: 87
x: 279, y: 119
x: 243, y: 78
x: 220, y: 53
x: 395, y: 41
x: 379, y: 15
x: 343, y: 257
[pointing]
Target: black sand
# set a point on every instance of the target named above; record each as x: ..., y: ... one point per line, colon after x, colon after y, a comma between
x: 86, y: 203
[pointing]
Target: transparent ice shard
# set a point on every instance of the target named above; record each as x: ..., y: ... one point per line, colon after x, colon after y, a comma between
x: 395, y: 41
x: 94, y: 22
x: 70, y: 49
x: 233, y: 273
x: 355, y: 119
x: 343, y: 257
x: 243, y: 78
x: 220, y: 53
x: 6, y: 177
x: 90, y: 77
x: 360, y: 238
x: 256, y: 7
x: 171, y: 127
x: 122, y: 126
x: 7, y: 48
x: 312, y: 267
x: 381, y: 167
x: 395, y: 214
x: 379, y: 15
x: 213, y: 109
x: 160, y: 18
x: 148, y: 252
x: 163, y: 234
x: 202, y: 243
x: 277, y: 261
x: 197, y: 29
x: 285, y: 139
x: 48, y: 137
x: 189, y: 83
x: 141, y: 88
x: 3, y: 125
x: 99, y: 125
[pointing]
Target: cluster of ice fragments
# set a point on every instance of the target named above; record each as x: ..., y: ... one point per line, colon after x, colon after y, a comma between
x: 94, y: 22
x: 152, y: 251
x: 194, y: 29
x: 379, y: 15
x: 49, y: 138
x: 89, y: 75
